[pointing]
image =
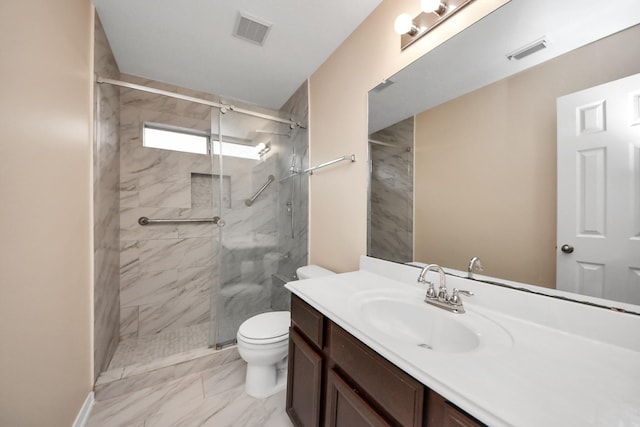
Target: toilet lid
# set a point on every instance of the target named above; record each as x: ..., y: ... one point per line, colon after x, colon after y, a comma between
x: 266, y: 326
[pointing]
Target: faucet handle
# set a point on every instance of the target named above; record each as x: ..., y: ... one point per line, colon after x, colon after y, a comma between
x: 431, y: 291
x: 455, y: 297
x: 443, y: 295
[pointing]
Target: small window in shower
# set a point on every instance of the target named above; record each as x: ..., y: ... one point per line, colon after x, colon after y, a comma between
x: 166, y: 137
x: 176, y: 139
x: 238, y: 150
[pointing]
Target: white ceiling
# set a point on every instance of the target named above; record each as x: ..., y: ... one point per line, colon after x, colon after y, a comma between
x: 189, y: 43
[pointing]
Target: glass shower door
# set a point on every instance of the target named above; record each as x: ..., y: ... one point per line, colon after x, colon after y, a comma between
x: 248, y: 242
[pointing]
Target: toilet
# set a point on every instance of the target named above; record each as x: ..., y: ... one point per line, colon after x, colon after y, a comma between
x: 263, y: 342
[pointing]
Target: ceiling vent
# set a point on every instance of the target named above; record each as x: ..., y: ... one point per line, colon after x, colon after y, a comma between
x: 383, y: 85
x: 251, y: 29
x: 528, y: 49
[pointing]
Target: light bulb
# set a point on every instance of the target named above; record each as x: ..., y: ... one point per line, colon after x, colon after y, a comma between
x: 403, y: 24
x: 260, y: 147
x: 429, y: 6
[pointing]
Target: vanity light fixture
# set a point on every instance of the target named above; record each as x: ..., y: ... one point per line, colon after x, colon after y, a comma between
x: 434, y: 12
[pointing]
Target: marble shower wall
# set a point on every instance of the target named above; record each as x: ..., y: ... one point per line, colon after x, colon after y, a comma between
x: 390, y: 225
x: 106, y: 169
x: 167, y: 270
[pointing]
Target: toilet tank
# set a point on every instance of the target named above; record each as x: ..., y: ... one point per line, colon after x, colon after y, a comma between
x: 312, y: 272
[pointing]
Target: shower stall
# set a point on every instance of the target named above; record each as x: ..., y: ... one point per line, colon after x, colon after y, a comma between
x: 213, y: 215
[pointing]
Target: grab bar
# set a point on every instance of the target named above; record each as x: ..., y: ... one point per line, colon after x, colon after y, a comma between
x: 250, y: 201
x: 323, y: 165
x: 143, y: 220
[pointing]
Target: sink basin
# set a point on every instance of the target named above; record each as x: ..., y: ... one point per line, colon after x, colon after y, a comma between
x: 407, y: 320
x: 417, y: 324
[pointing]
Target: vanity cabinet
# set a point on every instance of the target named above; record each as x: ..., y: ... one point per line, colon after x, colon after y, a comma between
x: 334, y: 380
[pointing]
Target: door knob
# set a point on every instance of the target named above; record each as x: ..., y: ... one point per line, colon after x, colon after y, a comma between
x: 567, y: 249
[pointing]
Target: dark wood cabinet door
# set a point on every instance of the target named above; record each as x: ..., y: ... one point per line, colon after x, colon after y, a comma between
x: 455, y: 418
x: 346, y: 409
x: 304, y: 378
x: 443, y: 414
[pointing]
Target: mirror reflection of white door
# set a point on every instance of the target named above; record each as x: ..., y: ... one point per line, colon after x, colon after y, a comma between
x: 598, y: 247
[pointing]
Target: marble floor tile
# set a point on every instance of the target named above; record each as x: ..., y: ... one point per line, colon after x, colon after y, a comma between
x: 136, y: 407
x: 233, y: 408
x: 214, y: 397
x: 276, y: 416
x: 205, y: 413
x: 203, y: 359
x: 131, y: 383
x: 223, y: 365
x: 225, y: 377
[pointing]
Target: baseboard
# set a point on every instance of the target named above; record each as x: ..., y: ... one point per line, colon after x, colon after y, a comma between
x: 83, y: 415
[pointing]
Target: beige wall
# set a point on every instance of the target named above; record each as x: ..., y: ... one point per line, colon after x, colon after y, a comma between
x: 338, y: 124
x: 45, y: 183
x: 499, y: 202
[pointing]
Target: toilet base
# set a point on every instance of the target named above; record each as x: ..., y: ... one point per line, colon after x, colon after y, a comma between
x: 264, y: 381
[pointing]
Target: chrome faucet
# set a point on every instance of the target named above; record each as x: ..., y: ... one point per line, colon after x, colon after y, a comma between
x: 442, y: 299
x: 431, y: 292
x: 474, y: 264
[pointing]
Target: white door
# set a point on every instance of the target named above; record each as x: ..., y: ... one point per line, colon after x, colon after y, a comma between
x: 598, y: 247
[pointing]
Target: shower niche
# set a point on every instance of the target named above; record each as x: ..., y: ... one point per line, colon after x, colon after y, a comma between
x: 202, y: 188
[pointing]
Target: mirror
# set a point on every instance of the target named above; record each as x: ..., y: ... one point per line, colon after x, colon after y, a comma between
x: 484, y: 136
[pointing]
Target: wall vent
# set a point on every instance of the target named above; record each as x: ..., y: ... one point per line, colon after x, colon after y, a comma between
x: 529, y: 49
x: 251, y: 29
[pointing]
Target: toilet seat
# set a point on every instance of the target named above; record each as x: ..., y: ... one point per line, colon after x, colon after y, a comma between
x: 265, y: 328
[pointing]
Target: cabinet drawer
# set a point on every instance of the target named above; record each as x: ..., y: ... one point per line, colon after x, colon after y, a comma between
x: 395, y: 393
x: 307, y: 320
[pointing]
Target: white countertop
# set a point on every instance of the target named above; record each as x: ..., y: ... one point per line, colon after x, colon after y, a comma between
x: 565, y: 364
